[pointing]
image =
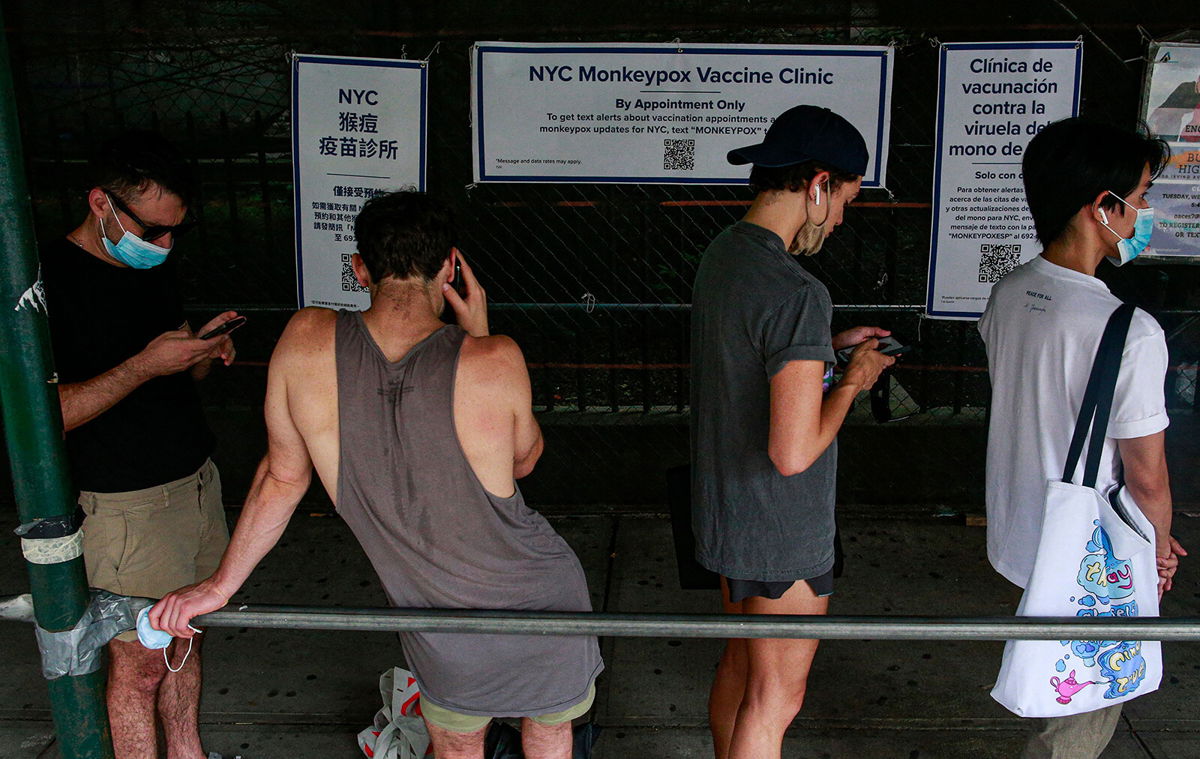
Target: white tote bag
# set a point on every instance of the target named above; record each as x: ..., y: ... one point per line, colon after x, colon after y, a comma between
x: 1095, y: 559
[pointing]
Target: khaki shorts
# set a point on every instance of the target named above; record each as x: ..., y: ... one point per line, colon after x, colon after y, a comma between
x: 152, y: 541
x: 470, y: 723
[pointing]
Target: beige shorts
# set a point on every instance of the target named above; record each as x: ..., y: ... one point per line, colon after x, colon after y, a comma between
x: 149, y: 542
x: 470, y: 723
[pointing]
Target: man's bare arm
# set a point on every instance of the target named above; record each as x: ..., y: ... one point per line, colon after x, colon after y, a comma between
x: 169, y: 353
x: 527, y: 435
x: 281, y: 481
x: 1144, y: 460
x: 803, y: 423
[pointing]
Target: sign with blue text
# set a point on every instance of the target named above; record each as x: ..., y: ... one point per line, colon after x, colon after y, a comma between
x: 1171, y: 108
x: 358, y: 130
x: 993, y: 97
x: 660, y: 113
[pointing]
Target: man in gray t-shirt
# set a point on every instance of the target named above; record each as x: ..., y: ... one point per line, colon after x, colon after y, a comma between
x: 764, y: 422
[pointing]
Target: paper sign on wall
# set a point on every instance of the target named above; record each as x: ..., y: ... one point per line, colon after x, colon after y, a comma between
x: 667, y: 114
x: 358, y: 130
x: 992, y: 99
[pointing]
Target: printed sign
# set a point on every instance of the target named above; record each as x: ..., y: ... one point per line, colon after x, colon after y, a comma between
x: 992, y: 99
x: 358, y: 130
x: 663, y: 114
x: 1171, y: 108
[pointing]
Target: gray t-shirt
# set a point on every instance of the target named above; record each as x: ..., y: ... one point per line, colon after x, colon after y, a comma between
x: 755, y: 308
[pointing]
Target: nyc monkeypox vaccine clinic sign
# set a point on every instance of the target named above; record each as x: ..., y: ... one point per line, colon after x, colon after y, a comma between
x: 358, y: 130
x: 992, y: 99
x: 663, y: 114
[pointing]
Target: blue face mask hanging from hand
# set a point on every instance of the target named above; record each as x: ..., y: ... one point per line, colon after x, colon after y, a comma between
x: 1129, y: 248
x: 132, y: 250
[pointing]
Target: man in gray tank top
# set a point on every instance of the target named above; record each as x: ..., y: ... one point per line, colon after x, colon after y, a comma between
x: 419, y: 431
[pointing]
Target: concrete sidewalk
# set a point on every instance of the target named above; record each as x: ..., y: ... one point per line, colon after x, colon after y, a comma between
x: 272, y: 694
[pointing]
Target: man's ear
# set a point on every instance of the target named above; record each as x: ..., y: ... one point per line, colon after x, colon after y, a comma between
x: 446, y: 273
x: 814, y: 187
x: 98, y: 202
x: 1097, y: 211
x: 360, y: 271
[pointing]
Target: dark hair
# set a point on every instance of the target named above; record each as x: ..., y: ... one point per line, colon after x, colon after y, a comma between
x: 129, y: 163
x: 796, y: 177
x: 1070, y: 162
x: 404, y: 234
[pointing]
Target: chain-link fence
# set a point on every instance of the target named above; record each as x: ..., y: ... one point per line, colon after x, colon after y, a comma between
x: 594, y: 281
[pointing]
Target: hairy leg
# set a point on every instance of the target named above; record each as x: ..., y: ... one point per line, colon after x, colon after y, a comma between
x: 777, y: 675
x: 546, y: 741
x: 728, y: 686
x: 179, y: 702
x: 451, y: 745
x: 134, y: 676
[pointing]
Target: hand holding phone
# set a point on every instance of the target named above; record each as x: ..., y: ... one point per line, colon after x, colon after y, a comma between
x: 224, y: 328
x: 888, y: 346
x: 469, y: 305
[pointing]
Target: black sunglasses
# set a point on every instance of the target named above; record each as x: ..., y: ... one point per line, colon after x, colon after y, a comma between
x: 152, y: 232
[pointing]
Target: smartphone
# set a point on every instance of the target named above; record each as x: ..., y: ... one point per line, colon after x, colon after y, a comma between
x: 457, y: 282
x: 888, y: 346
x: 224, y: 328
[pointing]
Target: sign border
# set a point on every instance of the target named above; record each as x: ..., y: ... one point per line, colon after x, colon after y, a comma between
x: 297, y: 60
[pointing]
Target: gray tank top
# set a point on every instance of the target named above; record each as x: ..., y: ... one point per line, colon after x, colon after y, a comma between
x: 438, y: 539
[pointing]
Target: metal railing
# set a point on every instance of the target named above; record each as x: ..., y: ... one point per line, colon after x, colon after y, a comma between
x: 643, y: 625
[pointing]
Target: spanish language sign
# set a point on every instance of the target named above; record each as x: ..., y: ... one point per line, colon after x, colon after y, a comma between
x: 1171, y: 107
x: 663, y: 114
x: 992, y: 99
x: 358, y: 130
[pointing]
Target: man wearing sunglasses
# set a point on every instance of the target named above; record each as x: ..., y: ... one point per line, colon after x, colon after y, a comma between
x: 136, y: 436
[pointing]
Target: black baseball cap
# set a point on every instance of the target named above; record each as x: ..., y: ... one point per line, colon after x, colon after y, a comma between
x: 808, y: 133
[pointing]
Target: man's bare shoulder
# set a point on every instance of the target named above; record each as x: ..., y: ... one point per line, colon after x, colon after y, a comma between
x: 492, y: 359
x: 309, y: 334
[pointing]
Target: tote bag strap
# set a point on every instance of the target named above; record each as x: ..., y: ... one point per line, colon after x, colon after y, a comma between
x: 1098, y: 398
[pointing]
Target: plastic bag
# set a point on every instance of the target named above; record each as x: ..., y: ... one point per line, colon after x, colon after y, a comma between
x: 398, y: 731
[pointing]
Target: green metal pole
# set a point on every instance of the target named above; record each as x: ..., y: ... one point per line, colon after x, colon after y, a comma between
x: 33, y: 428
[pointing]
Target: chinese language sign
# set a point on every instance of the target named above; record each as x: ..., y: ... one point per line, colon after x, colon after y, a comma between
x: 358, y: 130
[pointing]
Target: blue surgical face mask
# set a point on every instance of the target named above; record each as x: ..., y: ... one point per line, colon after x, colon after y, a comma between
x: 1129, y: 248
x: 132, y: 250
x: 153, y: 638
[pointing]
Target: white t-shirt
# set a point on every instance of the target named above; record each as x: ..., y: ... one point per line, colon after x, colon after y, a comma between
x: 1041, y: 328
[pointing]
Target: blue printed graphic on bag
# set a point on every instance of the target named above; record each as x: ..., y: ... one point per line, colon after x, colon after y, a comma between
x: 1105, y: 577
x: 1124, y: 667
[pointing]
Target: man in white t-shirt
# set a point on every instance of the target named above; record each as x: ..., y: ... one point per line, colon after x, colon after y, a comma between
x: 1086, y: 185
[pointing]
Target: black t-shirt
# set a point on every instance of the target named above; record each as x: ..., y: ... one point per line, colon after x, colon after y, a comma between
x: 101, y: 315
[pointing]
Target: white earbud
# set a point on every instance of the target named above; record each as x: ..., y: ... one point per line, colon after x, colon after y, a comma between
x: 1103, y: 216
x: 818, y: 195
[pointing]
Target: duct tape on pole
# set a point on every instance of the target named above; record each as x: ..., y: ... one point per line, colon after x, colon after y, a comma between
x: 33, y: 431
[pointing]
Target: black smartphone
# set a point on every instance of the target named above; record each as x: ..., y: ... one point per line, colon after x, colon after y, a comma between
x: 459, y: 285
x: 888, y: 346
x: 224, y: 328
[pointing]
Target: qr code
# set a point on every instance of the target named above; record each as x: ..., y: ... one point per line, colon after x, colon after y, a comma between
x: 349, y: 281
x: 679, y: 155
x: 997, y: 260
